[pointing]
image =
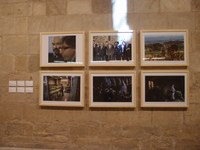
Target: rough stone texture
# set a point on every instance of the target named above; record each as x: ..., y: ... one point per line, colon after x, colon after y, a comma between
x: 39, y: 7
x: 7, y: 62
x: 175, y: 5
x: 195, y: 38
x: 0, y: 45
x: 41, y: 24
x: 16, y: 45
x: 197, y: 21
x: 195, y: 5
x: 147, y: 6
x: 73, y: 7
x: 34, y: 44
x: 56, y: 7
x: 101, y: 6
x: 21, y: 63
x: 24, y: 124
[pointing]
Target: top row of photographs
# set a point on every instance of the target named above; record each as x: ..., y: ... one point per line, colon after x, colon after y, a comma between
x: 114, y: 48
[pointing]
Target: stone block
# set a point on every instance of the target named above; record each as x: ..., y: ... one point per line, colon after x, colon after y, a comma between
x: 172, y: 118
x: 34, y: 44
x: 21, y: 63
x: 144, y: 6
x: 35, y: 114
x: 188, y: 138
x: 13, y: 1
x: 101, y: 6
x: 175, y: 5
x: 70, y: 116
x: 56, y: 7
x: 0, y: 45
x: 6, y: 10
x: 10, y: 25
x: 21, y: 25
x: 194, y: 80
x: 7, y: 25
x: 2, y: 130
x: 19, y: 128
x: 152, y: 21
x: 88, y: 22
x: 191, y: 116
x: 194, y: 60
x: 10, y: 111
x: 16, y: 45
x: 197, y: 21
x: 8, y: 63
x: 195, y: 38
x: 195, y: 5
x: 193, y: 96
x: 39, y: 7
x: 22, y: 9
x: 79, y: 7
x: 39, y: 24
x: 33, y: 63
x: 181, y: 21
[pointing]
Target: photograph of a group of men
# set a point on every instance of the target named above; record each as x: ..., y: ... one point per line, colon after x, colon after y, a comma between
x: 112, y: 89
x: 165, y: 89
x: 112, y: 48
x: 62, y: 49
x: 61, y: 88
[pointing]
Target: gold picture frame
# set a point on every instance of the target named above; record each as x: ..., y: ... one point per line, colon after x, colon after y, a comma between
x: 112, y: 48
x: 61, y: 88
x: 112, y: 89
x: 164, y: 88
x: 164, y: 47
x: 62, y: 49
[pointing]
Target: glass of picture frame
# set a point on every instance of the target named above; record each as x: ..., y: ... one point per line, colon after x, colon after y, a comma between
x: 112, y: 48
x: 164, y: 88
x: 112, y: 89
x: 61, y: 88
x: 164, y: 47
x: 62, y: 49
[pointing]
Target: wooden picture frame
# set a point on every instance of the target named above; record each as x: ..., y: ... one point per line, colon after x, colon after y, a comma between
x: 112, y: 48
x: 62, y: 49
x: 164, y: 47
x: 164, y: 88
x: 61, y: 88
x: 112, y: 89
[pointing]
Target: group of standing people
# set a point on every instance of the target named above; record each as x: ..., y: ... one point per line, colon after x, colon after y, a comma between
x: 63, y: 49
x: 111, y: 51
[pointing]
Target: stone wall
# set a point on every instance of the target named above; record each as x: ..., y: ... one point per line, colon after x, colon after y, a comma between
x: 23, y: 123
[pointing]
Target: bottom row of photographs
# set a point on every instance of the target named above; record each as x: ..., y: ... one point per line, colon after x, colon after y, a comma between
x: 113, y: 89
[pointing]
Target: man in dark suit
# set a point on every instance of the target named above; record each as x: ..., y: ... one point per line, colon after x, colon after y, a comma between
x: 122, y: 50
x: 56, y: 44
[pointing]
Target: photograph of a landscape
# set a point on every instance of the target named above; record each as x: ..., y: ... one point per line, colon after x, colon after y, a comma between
x: 164, y: 47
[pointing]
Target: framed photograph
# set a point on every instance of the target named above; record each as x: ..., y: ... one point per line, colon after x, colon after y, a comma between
x: 112, y: 89
x: 164, y: 48
x: 61, y: 49
x: 62, y: 88
x: 112, y: 48
x: 164, y: 88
